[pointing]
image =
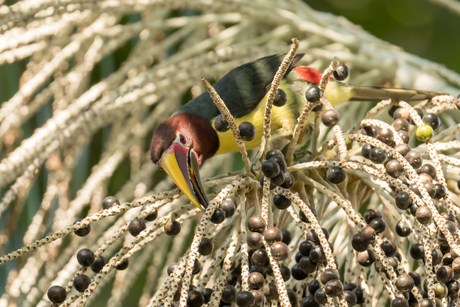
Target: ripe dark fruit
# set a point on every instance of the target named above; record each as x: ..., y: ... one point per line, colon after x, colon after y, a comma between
x: 256, y: 223
x: 285, y: 272
x: 280, y: 98
x: 417, y: 251
x: 172, y: 228
x: 330, y: 118
x: 280, y: 251
x: 260, y: 257
x: 305, y: 247
x: 392, y: 109
x: 281, y: 202
x: 313, y: 286
x: 245, y: 299
x: 278, y: 180
x: 256, y: 280
x: 389, y: 248
x: 81, y: 282
x: 258, y: 297
x: 350, y: 297
x: 254, y: 240
x: 274, y: 152
x: 414, y: 158
x: 385, y: 135
x: 287, y: 236
x: 307, y: 265
x: 432, y: 120
x: 206, y: 246
x: 394, y: 169
x: 359, y: 295
x: 341, y: 73
x: 426, y: 302
x: 98, y: 264
x: 318, y: 108
x: 221, y: 123
x: 56, y: 294
x: 270, y: 168
x: 428, y: 169
x: 401, y: 113
x: 399, y: 302
x: 403, y: 200
x: 401, y: 124
x: 272, y: 235
x: 378, y: 155
x: 336, y: 175
x: 297, y: 273
x: 371, y: 214
x: 402, y: 149
x: 424, y: 133
x: 366, y: 151
x: 218, y: 216
x: 109, y: 202
x: 429, y: 186
x: 320, y: 296
x: 371, y: 131
x: 378, y: 224
x: 247, y: 131
x: 136, y: 226
x: 289, y: 181
x: 440, y: 191
x: 317, y: 255
x: 85, y: 257
x: 445, y: 274
x: 309, y: 301
x: 270, y: 291
x: 328, y: 274
x: 366, y: 258
x: 313, y: 94
x: 404, y: 136
x: 333, y: 287
x: 367, y: 235
x: 123, y: 265
x: 437, y: 256
x: 228, y: 294
x: 357, y: 244
x: 228, y: 207
x: 84, y: 231
x: 152, y: 215
x: 404, y: 283
x: 195, y: 298
x: 403, y: 229
x: 423, y: 215
x: 281, y: 162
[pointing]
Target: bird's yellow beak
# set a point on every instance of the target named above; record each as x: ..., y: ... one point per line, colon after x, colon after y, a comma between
x: 181, y: 164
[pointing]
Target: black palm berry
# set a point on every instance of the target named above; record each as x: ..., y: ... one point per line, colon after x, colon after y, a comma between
x: 423, y: 215
x: 404, y: 283
x: 247, y: 131
x: 371, y: 214
x: 254, y: 240
x: 272, y: 235
x: 260, y: 257
x: 287, y: 236
x: 109, y: 202
x: 405, y: 136
x: 196, y: 267
x: 313, y: 286
x: 318, y: 107
x: 357, y: 244
x: 136, y: 226
x: 297, y: 273
x: 417, y: 251
x: 245, y: 299
x: 349, y: 286
x: 433, y: 120
x: 81, y: 282
x: 278, y: 180
x: 258, y: 297
x: 281, y: 162
x: 218, y: 216
x: 378, y: 155
x: 228, y: 294
x: 98, y: 264
x: 320, y: 296
x: 437, y: 256
x: 403, y: 200
x: 328, y: 274
x: 341, y: 73
x: 336, y: 175
x: 429, y: 186
x: 270, y: 168
x: 428, y: 169
x: 401, y: 124
x: 152, y: 215
x: 366, y: 151
x: 206, y: 246
x: 392, y: 109
x: 394, y: 169
x: 350, y: 297
x: 256, y: 280
x: 333, y: 287
x: 280, y: 98
x: 402, y: 149
x: 123, y: 265
x: 309, y: 301
x: 285, y: 272
x: 378, y: 224
x: 366, y: 258
x: 367, y: 235
x: 445, y: 274
x: 85, y: 257
x: 453, y: 287
x: 256, y: 223
x: 371, y: 131
x: 195, y: 298
x: 280, y: 251
x: 416, y: 277
x: 401, y: 113
x: 292, y: 295
x: 424, y: 177
x: 359, y: 295
x: 402, y: 229
x: 426, y: 302
x: 313, y: 94
x: 281, y: 202
x: 258, y: 269
x: 228, y: 207
x: 399, y: 302
x: 274, y: 152
x: 447, y: 258
x: 440, y: 191
x: 317, y: 255
x: 289, y: 181
x: 270, y: 291
x: 389, y: 248
x: 172, y: 228
x: 385, y: 135
x: 414, y: 158
x: 221, y: 123
x: 84, y: 231
x: 307, y: 265
x: 330, y: 118
x: 56, y: 294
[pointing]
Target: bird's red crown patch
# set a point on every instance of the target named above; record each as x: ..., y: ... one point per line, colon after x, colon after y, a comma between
x: 309, y: 74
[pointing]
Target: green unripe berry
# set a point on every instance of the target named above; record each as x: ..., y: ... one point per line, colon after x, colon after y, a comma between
x: 424, y: 133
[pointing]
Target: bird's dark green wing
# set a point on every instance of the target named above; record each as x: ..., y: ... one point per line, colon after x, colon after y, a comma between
x: 241, y: 89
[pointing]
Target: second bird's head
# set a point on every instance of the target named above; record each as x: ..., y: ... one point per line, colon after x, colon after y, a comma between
x: 180, y: 145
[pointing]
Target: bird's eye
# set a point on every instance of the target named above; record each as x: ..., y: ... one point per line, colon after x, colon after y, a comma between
x: 182, y: 139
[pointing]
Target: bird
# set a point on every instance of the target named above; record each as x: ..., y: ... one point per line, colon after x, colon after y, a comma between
x: 182, y: 143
